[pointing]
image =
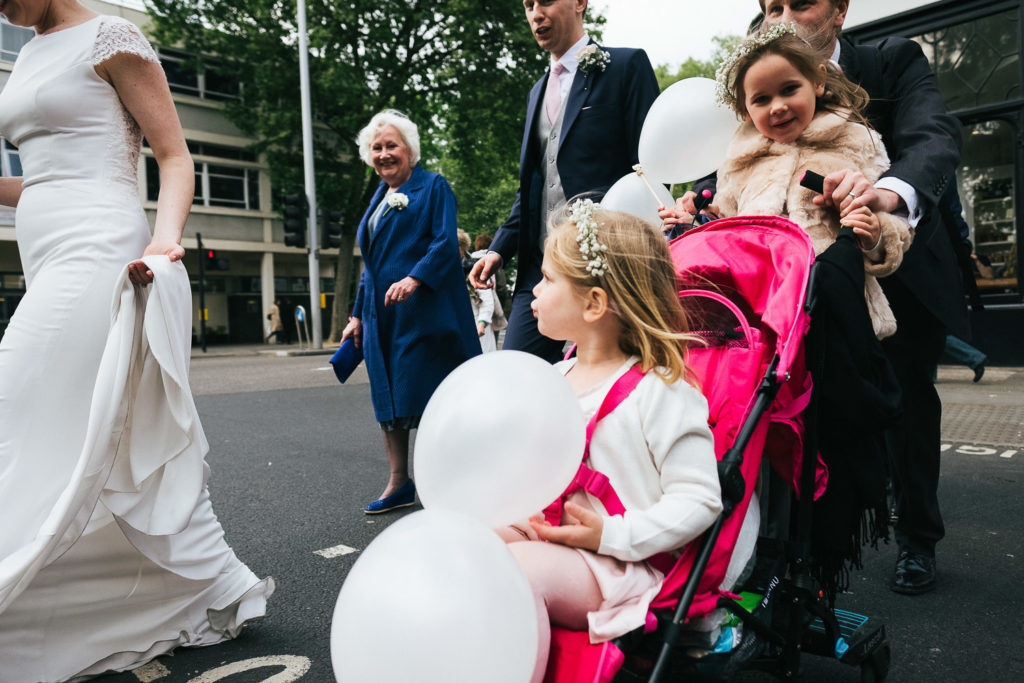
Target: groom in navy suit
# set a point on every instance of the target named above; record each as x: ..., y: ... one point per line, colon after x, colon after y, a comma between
x: 583, y: 121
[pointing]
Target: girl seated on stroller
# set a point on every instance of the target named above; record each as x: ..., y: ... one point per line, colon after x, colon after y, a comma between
x: 801, y: 114
x: 609, y: 284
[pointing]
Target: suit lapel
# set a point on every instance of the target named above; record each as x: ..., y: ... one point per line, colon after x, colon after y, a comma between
x: 581, y: 84
x: 848, y: 61
x: 409, y: 188
x: 532, y: 104
x: 365, y: 238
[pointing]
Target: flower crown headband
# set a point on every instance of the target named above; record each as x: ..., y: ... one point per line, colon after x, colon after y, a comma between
x: 725, y: 92
x: 586, y: 236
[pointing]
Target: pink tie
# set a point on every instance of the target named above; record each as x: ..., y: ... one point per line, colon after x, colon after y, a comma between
x: 553, y: 94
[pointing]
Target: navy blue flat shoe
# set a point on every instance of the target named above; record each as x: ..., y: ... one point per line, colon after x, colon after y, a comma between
x: 402, y: 498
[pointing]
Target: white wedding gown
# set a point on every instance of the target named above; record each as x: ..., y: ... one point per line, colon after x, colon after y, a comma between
x: 110, y: 553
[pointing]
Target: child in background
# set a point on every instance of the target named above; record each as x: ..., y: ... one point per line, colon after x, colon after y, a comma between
x: 609, y: 285
x: 801, y: 114
x: 483, y: 301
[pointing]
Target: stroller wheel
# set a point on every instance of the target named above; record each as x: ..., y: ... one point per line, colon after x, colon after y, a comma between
x: 876, y: 667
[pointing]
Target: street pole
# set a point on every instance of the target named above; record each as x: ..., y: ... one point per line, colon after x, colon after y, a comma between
x: 202, y: 291
x: 307, y: 155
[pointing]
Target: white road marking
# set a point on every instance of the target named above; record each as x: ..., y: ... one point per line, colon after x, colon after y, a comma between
x: 336, y: 551
x: 329, y: 367
x: 975, y: 450
x: 294, y: 668
x: 151, y: 672
x: 970, y: 449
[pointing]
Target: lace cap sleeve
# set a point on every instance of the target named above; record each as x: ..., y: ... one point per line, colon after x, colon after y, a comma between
x: 117, y: 36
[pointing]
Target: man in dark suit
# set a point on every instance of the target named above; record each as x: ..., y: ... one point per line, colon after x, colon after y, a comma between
x: 583, y: 121
x: 926, y: 292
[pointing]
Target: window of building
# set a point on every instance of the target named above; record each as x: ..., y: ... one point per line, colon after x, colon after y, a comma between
x: 12, y: 39
x: 220, y: 180
x: 986, y: 182
x: 10, y: 161
x: 206, y: 83
x: 976, y: 62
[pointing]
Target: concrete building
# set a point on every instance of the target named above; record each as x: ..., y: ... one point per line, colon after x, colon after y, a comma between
x: 231, y: 211
x: 974, y: 48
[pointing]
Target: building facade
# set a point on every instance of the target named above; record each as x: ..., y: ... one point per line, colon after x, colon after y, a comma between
x: 231, y: 212
x: 974, y: 48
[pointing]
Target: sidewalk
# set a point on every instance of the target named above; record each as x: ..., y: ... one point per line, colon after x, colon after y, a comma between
x: 234, y: 350
x: 989, y: 412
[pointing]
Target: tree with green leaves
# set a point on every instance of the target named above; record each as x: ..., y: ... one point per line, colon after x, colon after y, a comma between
x: 697, y: 68
x: 460, y: 69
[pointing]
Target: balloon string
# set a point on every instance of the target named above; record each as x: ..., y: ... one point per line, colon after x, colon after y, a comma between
x: 643, y: 176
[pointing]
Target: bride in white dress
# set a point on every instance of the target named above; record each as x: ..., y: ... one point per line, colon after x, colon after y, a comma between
x: 110, y: 553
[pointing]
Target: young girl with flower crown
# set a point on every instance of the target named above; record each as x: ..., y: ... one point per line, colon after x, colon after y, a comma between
x: 609, y: 285
x: 801, y: 114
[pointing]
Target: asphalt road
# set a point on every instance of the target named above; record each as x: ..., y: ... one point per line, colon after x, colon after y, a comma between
x: 295, y: 456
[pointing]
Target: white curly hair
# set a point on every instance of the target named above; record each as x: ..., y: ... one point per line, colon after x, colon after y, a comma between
x: 405, y: 127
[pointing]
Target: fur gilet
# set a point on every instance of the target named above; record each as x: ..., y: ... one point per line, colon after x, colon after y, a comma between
x: 761, y: 177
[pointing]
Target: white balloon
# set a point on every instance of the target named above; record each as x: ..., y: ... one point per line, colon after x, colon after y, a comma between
x: 437, y: 597
x: 686, y: 133
x: 631, y: 195
x: 500, y: 439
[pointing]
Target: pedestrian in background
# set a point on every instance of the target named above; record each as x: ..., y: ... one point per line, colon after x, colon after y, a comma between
x: 487, y: 313
x: 276, y: 326
x: 481, y: 245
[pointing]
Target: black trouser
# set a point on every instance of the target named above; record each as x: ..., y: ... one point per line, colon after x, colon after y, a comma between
x: 914, y: 443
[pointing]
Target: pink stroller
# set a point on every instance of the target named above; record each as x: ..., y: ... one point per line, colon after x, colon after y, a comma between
x: 745, y: 282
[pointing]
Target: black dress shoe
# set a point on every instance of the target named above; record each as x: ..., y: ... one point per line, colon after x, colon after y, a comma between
x: 915, y: 573
x: 979, y: 371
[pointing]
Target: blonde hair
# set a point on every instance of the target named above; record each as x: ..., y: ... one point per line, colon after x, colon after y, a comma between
x: 640, y: 281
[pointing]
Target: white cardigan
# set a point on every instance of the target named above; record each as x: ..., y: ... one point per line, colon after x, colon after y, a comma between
x: 657, y: 451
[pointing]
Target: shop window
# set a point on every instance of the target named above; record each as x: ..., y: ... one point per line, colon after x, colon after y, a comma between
x: 12, y: 39
x: 976, y: 62
x: 986, y: 181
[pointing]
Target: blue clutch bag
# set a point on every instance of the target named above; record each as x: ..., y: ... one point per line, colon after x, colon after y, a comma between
x: 346, y: 359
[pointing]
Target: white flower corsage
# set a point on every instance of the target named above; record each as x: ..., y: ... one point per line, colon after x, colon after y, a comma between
x: 397, y: 201
x: 725, y: 86
x: 591, y: 249
x: 592, y: 58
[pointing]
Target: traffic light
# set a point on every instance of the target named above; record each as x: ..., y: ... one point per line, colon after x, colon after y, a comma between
x: 330, y: 237
x: 295, y: 211
x: 214, y: 262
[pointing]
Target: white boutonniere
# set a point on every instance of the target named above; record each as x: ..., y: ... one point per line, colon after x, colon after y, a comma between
x: 592, y: 58
x: 397, y: 201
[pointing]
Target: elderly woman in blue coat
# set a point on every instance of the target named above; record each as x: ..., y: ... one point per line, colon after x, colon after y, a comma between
x: 412, y: 315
